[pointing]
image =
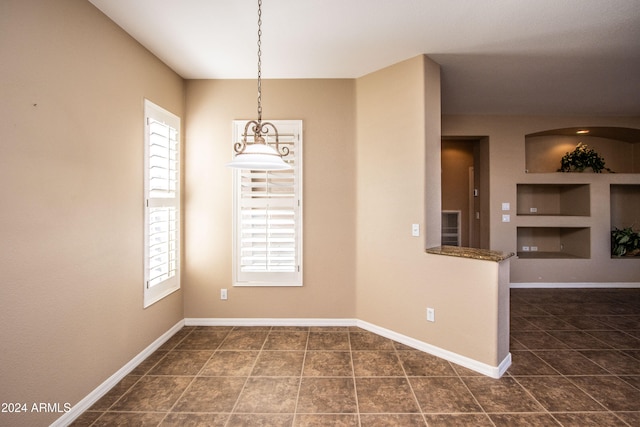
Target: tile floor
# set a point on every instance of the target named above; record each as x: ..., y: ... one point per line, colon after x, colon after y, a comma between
x: 576, y: 362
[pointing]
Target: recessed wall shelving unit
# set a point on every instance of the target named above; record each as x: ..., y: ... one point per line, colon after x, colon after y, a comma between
x: 561, y: 222
x: 556, y: 196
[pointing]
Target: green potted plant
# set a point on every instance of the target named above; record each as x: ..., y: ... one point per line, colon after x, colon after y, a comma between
x: 625, y: 242
x: 582, y: 158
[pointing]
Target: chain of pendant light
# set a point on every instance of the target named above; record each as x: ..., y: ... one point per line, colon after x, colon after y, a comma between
x: 259, y: 61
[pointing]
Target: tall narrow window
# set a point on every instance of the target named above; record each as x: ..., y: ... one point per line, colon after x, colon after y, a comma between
x: 162, y: 203
x: 268, y: 216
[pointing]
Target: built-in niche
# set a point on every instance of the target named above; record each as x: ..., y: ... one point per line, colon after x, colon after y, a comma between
x: 625, y: 205
x: 625, y: 208
x: 553, y: 199
x: 554, y: 242
x: 620, y: 147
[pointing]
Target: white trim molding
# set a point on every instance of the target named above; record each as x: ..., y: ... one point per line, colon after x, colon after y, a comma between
x: 575, y: 285
x: 267, y: 322
x: 474, y: 365
x: 88, y: 401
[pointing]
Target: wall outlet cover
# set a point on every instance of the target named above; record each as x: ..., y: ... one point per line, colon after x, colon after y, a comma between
x: 431, y: 314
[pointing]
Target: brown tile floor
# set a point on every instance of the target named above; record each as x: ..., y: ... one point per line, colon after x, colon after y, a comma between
x: 576, y: 362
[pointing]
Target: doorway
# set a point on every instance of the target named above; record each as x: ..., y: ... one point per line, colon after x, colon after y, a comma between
x: 465, y: 190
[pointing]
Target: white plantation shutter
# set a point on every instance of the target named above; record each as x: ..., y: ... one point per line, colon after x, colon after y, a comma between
x: 162, y: 203
x: 268, y: 216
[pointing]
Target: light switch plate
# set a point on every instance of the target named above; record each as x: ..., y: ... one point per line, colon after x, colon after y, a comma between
x: 506, y: 218
x: 506, y: 206
x: 415, y: 230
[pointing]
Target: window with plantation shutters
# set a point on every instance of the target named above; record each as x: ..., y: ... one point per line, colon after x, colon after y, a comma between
x: 268, y: 216
x: 162, y: 203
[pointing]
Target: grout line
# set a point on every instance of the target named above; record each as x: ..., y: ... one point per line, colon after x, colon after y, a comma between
x: 353, y: 373
x: 304, y: 361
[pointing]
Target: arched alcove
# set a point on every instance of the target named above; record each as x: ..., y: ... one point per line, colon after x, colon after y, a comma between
x: 620, y: 147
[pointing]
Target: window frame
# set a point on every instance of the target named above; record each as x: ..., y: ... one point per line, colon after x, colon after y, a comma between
x: 155, y: 200
x: 290, y: 132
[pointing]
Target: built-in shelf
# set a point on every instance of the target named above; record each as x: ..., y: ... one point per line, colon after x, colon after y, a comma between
x: 554, y: 242
x: 451, y: 228
x: 553, y: 199
x: 547, y: 255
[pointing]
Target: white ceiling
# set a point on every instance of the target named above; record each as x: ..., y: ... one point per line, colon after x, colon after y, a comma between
x: 577, y: 57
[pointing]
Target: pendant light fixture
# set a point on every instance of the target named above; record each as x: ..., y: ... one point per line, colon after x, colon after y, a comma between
x: 259, y: 154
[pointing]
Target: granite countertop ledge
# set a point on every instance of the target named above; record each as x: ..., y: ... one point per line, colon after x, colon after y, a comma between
x: 473, y: 253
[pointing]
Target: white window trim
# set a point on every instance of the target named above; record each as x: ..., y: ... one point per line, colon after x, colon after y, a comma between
x: 155, y: 293
x: 286, y: 129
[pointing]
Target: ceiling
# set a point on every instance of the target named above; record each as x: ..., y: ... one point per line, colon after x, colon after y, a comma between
x: 575, y: 57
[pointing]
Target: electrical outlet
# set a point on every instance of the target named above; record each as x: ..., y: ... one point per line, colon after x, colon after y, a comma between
x: 431, y: 314
x: 525, y: 249
x: 506, y: 206
x: 534, y: 248
x: 533, y: 210
x: 415, y: 230
x: 223, y: 294
x: 506, y: 218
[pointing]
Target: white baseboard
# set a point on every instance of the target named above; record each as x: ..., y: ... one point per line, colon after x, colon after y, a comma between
x: 77, y: 409
x: 195, y: 321
x: 474, y: 365
x: 575, y: 285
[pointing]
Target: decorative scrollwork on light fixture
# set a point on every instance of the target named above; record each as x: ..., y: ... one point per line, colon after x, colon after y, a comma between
x: 260, y: 130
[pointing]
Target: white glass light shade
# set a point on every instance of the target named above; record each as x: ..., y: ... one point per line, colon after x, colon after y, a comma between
x: 259, y: 157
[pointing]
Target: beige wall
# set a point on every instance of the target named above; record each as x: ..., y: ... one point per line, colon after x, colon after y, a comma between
x: 327, y: 110
x: 398, y: 173
x: 71, y: 157
x: 507, y: 168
